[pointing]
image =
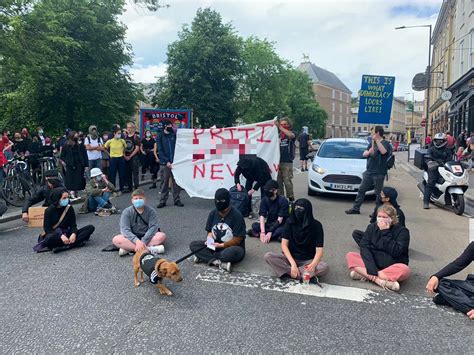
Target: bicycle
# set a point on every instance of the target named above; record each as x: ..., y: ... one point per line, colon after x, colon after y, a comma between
x: 45, y: 163
x: 17, y: 185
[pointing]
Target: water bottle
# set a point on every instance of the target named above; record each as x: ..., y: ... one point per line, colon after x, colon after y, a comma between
x: 306, y: 278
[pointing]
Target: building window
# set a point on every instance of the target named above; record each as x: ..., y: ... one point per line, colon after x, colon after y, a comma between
x: 333, y: 118
x: 333, y: 93
x: 347, y: 110
x: 353, y: 120
x: 340, y: 108
x: 340, y: 95
x: 359, y: 129
x: 461, y: 58
x: 333, y: 106
x: 471, y: 53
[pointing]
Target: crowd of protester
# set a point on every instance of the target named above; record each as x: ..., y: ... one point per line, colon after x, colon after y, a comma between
x: 92, y: 162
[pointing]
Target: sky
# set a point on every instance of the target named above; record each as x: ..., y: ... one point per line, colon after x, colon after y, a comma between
x: 347, y: 37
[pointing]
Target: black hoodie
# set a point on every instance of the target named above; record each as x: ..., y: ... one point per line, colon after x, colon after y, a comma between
x: 305, y: 235
x: 254, y: 169
x: 53, y: 214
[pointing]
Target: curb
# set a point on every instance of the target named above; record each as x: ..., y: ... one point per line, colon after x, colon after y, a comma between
x: 8, y: 217
x: 416, y: 173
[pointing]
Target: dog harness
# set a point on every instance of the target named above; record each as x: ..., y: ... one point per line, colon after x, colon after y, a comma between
x: 147, y: 263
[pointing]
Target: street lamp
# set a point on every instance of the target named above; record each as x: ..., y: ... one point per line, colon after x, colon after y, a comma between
x: 429, y: 74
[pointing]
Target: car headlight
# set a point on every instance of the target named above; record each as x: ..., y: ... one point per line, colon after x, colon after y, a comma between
x: 318, y: 169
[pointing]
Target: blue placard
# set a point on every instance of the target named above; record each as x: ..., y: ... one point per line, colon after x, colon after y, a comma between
x: 375, y: 99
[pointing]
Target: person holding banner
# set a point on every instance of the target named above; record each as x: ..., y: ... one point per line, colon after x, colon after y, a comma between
x: 256, y: 172
x: 166, y: 142
x: 287, y: 155
x: 225, y: 235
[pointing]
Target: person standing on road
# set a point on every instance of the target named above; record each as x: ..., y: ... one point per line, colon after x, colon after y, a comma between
x: 148, y: 158
x: 301, y: 243
x: 273, y: 214
x: 383, y: 257
x: 256, y: 173
x: 74, y: 157
x: 455, y: 293
x: 226, y: 226
x: 388, y: 196
x: 52, y: 181
x: 116, y: 147
x: 304, y: 143
x: 94, y: 146
x: 139, y: 228
x: 60, y: 226
x: 132, y: 162
x: 105, y: 156
x: 287, y: 155
x: 166, y: 143
x: 377, y: 153
x: 438, y: 154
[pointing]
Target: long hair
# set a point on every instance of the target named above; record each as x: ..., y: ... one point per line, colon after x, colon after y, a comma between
x: 70, y: 138
x: 390, y: 211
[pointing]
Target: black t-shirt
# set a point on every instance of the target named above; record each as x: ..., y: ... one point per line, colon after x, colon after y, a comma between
x: 131, y: 143
x: 148, y: 144
x: 147, y: 263
x: 377, y: 163
x: 303, y: 140
x: 287, y: 149
x: 307, y: 249
x: 225, y: 228
x: 272, y: 209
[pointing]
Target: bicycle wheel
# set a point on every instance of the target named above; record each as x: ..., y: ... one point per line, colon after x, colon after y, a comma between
x: 16, y: 189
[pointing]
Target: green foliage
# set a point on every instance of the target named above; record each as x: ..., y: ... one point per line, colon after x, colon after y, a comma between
x: 203, y: 67
x: 225, y: 78
x: 61, y: 65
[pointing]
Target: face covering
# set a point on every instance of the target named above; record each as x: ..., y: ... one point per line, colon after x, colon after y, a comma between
x: 98, y: 178
x: 169, y: 129
x: 40, y: 132
x: 269, y: 193
x: 299, y: 214
x: 148, y: 134
x: 64, y: 202
x: 380, y: 219
x: 118, y: 135
x: 222, y: 199
x: 139, y: 203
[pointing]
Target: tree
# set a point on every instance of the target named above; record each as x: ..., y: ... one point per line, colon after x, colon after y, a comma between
x: 61, y: 65
x: 204, y: 65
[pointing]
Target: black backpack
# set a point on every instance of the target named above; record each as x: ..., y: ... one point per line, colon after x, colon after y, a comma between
x: 390, y: 160
x: 239, y: 200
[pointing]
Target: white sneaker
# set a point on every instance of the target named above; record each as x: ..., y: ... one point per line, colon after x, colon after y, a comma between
x: 356, y: 276
x: 196, y: 260
x: 156, y: 249
x: 123, y: 252
x: 222, y: 266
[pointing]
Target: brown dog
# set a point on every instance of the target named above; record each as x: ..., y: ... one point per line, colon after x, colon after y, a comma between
x: 156, y: 269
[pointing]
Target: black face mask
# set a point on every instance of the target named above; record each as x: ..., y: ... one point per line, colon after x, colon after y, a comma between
x: 269, y: 193
x: 169, y: 129
x: 299, y: 215
x: 221, y: 205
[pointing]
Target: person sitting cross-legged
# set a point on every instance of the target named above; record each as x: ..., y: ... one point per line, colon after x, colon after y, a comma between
x: 139, y: 228
x: 273, y: 214
x: 383, y: 257
x: 226, y: 226
x: 458, y: 294
x: 98, y: 191
x: 301, y: 243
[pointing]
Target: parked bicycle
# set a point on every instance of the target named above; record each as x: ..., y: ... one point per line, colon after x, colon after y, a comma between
x: 18, y: 184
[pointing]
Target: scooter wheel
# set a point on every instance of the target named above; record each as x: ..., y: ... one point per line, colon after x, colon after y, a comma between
x: 458, y: 204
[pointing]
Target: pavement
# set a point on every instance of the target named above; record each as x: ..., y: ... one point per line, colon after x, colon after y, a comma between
x: 83, y: 300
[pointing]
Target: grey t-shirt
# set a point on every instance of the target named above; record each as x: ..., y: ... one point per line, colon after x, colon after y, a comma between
x: 136, y: 226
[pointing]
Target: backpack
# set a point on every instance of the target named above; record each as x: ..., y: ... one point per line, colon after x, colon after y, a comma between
x: 239, y: 200
x: 99, y: 140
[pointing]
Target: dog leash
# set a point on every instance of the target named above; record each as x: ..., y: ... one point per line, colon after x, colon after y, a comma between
x: 190, y: 254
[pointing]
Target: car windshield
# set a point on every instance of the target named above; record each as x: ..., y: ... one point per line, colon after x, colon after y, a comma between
x: 343, y: 150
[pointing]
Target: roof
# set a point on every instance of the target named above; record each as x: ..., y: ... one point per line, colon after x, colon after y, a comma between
x: 323, y: 76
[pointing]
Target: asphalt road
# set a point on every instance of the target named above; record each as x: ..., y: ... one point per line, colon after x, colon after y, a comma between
x: 83, y: 300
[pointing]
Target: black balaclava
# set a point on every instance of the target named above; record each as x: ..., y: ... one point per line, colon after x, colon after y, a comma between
x: 392, y: 194
x: 269, y: 186
x: 222, y: 199
x: 304, y: 218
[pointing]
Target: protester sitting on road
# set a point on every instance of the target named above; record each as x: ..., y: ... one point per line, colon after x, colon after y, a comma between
x: 74, y: 156
x: 226, y: 226
x: 256, y: 172
x: 149, y: 157
x: 383, y: 257
x: 94, y: 146
x: 98, y: 192
x: 60, y: 226
x: 52, y: 181
x: 388, y: 196
x: 139, y: 228
x: 166, y: 144
x: 273, y: 214
x: 116, y: 146
x: 301, y: 243
x: 455, y: 293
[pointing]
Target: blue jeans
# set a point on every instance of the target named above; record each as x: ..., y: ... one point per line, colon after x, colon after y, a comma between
x: 97, y: 201
x: 117, y: 165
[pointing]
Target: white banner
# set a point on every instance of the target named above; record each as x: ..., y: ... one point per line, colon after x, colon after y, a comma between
x: 205, y: 159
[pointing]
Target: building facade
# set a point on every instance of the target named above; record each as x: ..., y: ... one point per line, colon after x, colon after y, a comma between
x: 333, y: 96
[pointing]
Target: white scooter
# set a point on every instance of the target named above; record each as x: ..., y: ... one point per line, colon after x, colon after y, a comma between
x: 450, y: 188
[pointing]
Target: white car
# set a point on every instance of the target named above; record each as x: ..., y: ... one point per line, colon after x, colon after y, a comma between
x: 338, y: 166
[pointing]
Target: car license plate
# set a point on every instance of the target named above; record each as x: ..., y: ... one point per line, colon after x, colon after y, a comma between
x: 342, y: 187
